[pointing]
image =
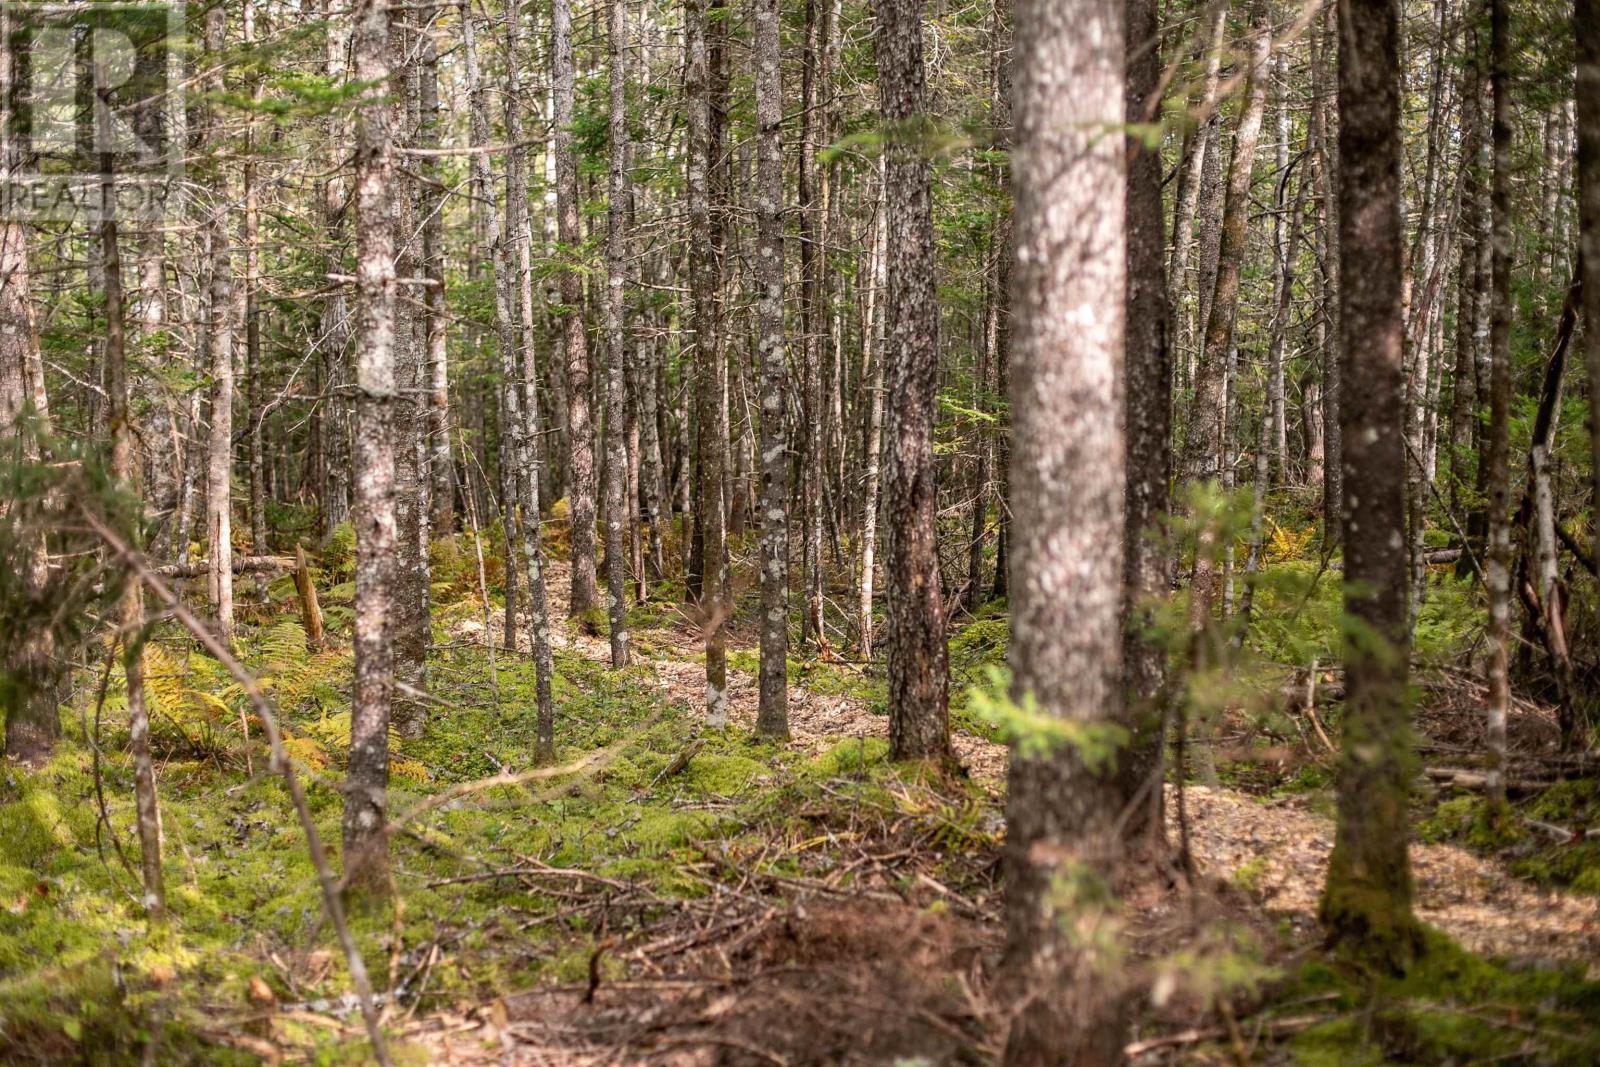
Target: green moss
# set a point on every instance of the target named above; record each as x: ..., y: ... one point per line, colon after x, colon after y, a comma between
x: 723, y: 774
x: 849, y: 759
x: 1249, y: 874
x: 1452, y: 1007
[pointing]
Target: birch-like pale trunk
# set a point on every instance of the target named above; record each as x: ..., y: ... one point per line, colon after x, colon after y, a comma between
x: 872, y: 441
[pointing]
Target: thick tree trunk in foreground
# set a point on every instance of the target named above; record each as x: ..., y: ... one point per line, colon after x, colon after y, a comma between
x: 366, y: 842
x: 1064, y: 809
x: 919, y: 723
x: 1367, y: 903
x: 772, y: 718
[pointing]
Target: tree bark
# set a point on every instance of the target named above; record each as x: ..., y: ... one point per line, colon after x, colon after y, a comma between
x: 1498, y: 449
x: 705, y: 269
x: 123, y: 468
x: 772, y: 716
x: 366, y: 842
x: 1586, y: 24
x: 1147, y: 427
x: 219, y: 350
x: 1205, y: 452
x: 1063, y: 808
x: 569, y: 320
x: 617, y: 347
x: 919, y: 725
x: 1366, y: 906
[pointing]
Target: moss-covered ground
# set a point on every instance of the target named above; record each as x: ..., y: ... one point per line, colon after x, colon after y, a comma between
x: 512, y: 887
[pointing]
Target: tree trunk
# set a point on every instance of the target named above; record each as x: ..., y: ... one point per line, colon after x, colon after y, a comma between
x: 1367, y: 903
x: 872, y: 439
x: 366, y: 841
x: 705, y: 270
x: 919, y: 724
x: 34, y: 680
x: 1498, y: 564
x: 123, y: 467
x: 617, y: 346
x: 1148, y: 426
x: 813, y: 267
x: 219, y: 348
x: 772, y: 717
x: 1329, y: 177
x: 1586, y: 22
x: 569, y: 319
x: 436, y: 314
x: 1063, y: 809
x: 1205, y: 450
x: 1463, y: 377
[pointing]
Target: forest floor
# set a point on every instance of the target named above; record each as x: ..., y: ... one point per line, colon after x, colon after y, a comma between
x: 683, y: 897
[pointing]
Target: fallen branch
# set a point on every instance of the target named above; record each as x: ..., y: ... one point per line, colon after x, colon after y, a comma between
x: 1276, y: 1028
x: 1478, y: 781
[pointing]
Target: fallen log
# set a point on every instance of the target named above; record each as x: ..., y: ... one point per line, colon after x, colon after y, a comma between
x: 197, y: 568
x: 1478, y: 781
x: 1438, y: 555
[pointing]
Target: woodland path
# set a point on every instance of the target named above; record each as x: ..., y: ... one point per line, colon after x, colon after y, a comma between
x: 1275, y: 849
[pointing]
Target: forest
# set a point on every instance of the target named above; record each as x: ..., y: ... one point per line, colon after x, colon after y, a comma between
x: 881, y: 532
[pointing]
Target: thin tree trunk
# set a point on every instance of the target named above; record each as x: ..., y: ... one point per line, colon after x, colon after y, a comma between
x: 1498, y: 449
x: 123, y: 467
x: 569, y: 319
x: 772, y: 717
x: 255, y: 397
x: 219, y: 343
x: 1332, y: 358
x: 1586, y: 23
x: 616, y: 468
x: 1147, y: 428
x: 1205, y: 453
x: 872, y: 442
x: 813, y: 267
x: 710, y: 367
x: 441, y: 466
